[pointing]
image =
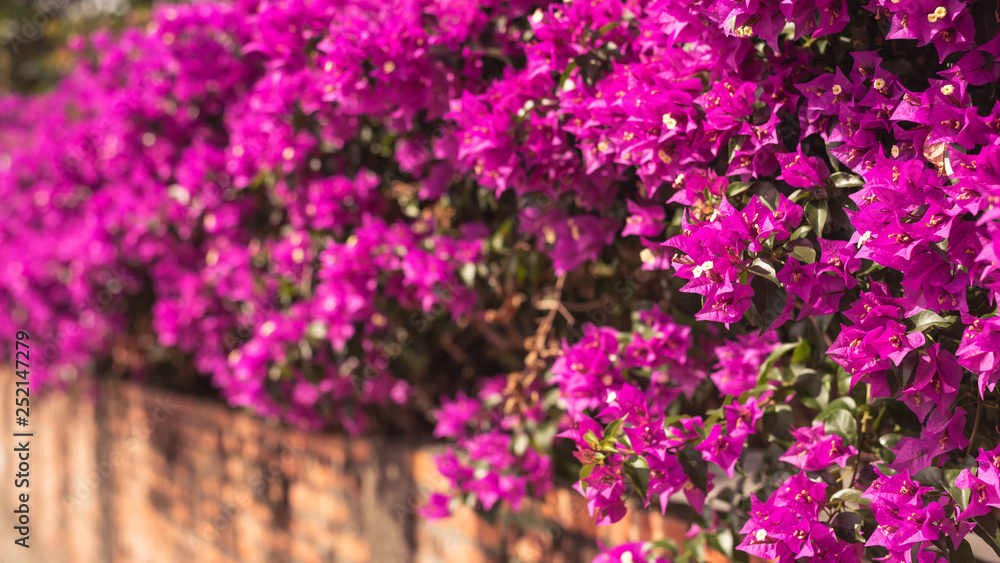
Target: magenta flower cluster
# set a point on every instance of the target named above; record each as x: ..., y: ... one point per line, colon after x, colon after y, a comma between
x: 781, y: 220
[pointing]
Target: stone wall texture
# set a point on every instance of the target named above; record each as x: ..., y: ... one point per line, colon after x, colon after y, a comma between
x: 122, y: 472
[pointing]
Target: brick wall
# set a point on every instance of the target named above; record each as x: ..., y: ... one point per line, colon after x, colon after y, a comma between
x: 126, y: 473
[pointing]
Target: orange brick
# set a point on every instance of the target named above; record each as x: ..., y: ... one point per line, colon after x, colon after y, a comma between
x: 582, y: 521
x: 548, y: 508
x: 459, y: 551
x: 463, y: 522
x: 361, y: 450
x: 251, y: 450
x: 675, y: 529
x: 712, y: 556
x: 425, y: 470
x: 230, y: 442
x: 350, y: 547
x: 335, y: 510
x: 305, y: 552
x: 323, y: 495
x: 300, y: 497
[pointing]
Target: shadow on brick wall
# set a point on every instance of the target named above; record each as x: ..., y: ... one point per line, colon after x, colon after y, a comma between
x: 121, y: 472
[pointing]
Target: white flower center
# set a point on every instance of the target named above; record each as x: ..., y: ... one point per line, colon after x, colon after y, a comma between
x: 700, y: 270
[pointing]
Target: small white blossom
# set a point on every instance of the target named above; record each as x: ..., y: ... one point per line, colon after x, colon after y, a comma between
x: 700, y: 270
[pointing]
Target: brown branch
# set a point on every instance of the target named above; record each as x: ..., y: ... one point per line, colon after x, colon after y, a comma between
x: 547, y: 304
x: 543, y: 332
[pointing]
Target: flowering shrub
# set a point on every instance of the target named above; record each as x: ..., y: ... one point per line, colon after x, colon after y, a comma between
x: 685, y: 234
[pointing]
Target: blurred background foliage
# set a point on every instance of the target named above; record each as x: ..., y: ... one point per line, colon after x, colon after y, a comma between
x: 33, y: 36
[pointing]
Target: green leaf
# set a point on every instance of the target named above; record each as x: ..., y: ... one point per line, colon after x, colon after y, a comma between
x: 608, y: 27
x: 764, y: 270
x: 671, y: 420
x: 800, y: 232
x: 806, y: 381
x: 721, y: 541
x: 752, y: 315
x: 932, y: 475
x: 964, y: 553
x: 699, y: 551
x: 468, y: 274
x: 849, y: 495
x: 520, y: 445
x: 712, y: 418
x: 846, y: 524
x: 871, y: 269
x: 639, y: 477
x: 817, y: 211
x: 584, y: 473
x: 802, y: 352
x: 612, y: 430
x: 768, y: 204
x: 667, y: 544
x: 961, y: 496
x: 737, y: 188
x: 777, y: 420
x: 843, y: 381
x: 889, y: 441
x: 841, y: 422
x: 772, y: 358
x: 813, y: 387
x: 840, y: 403
x: 569, y: 68
x: 804, y: 254
x: 545, y: 433
x: 695, y: 467
x: 735, y: 144
x: 987, y: 529
x: 846, y: 180
x: 927, y: 319
x: 819, y: 401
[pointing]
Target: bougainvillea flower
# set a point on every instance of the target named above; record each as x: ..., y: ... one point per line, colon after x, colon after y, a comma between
x: 645, y: 221
x: 983, y: 496
x: 437, y: 506
x: 979, y: 351
x: 741, y: 419
x: 722, y: 449
x: 802, y: 171
x: 633, y: 552
x: 782, y: 527
x: 454, y: 415
x: 605, y: 492
x: 815, y: 450
x: 935, y: 382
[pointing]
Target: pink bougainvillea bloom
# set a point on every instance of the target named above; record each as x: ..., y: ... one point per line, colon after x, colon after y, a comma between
x: 815, y: 450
